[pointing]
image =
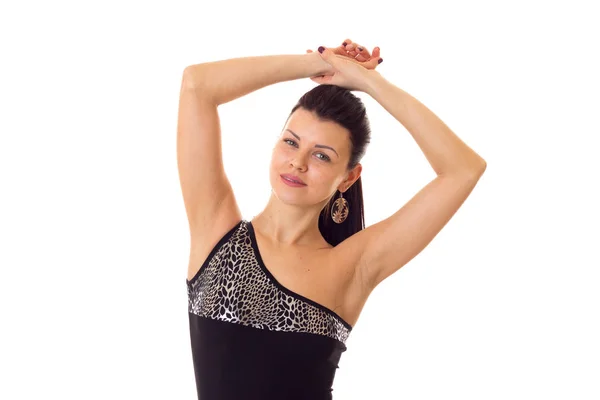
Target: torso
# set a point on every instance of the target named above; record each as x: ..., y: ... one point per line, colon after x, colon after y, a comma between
x: 315, y: 272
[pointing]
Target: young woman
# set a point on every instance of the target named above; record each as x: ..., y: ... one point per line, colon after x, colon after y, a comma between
x: 272, y: 300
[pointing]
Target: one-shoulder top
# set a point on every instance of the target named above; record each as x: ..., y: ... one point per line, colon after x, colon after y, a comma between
x: 251, y: 337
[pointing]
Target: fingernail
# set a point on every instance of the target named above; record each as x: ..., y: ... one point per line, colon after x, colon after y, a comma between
x: 321, y: 49
x: 380, y: 61
x: 344, y: 44
x: 360, y: 49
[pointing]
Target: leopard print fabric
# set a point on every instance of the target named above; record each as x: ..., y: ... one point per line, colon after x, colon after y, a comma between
x: 236, y: 287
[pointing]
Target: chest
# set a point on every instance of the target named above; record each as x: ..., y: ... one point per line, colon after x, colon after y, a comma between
x: 310, y: 273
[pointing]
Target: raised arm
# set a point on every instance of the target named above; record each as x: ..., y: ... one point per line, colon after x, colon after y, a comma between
x: 390, y: 244
x: 226, y: 80
x: 209, y: 200
x: 383, y: 248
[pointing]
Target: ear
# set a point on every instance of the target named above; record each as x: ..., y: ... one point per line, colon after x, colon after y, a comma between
x: 353, y: 176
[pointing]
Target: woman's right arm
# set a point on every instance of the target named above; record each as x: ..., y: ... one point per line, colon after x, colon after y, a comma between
x: 227, y: 80
x: 209, y: 199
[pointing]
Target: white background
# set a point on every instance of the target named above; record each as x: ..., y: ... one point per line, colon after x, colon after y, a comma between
x: 503, y: 304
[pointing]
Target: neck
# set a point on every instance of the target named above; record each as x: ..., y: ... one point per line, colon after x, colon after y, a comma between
x: 289, y: 225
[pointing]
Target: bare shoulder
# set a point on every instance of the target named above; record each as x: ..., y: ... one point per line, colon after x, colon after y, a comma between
x: 205, y: 236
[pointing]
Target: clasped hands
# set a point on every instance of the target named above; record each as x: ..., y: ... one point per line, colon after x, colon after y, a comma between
x: 348, y: 65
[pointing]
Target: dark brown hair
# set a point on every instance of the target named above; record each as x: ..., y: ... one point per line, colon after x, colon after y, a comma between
x: 334, y: 103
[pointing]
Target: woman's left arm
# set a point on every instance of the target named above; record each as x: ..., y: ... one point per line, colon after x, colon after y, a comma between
x: 380, y: 250
x: 445, y: 151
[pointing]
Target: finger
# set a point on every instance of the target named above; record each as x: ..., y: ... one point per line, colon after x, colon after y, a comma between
x: 330, y: 58
x: 351, y: 51
x: 363, y: 52
x: 337, y: 50
x: 349, y: 47
x: 353, y: 46
x: 341, y: 50
x: 375, y: 56
x: 376, y: 52
x: 372, y: 63
x: 359, y: 54
x: 360, y: 58
x: 355, y: 50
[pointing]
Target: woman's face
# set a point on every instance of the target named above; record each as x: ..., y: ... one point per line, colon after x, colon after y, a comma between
x: 315, y: 151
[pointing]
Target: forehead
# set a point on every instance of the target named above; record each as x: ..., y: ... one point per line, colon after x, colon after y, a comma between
x: 309, y: 127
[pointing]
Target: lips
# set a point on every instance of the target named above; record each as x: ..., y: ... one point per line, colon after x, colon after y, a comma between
x: 293, y: 178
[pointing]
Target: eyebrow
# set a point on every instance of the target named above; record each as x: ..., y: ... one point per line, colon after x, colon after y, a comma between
x: 316, y: 145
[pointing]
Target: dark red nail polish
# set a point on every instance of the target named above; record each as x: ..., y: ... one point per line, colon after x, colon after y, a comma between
x: 344, y: 44
x: 380, y: 61
x: 321, y: 49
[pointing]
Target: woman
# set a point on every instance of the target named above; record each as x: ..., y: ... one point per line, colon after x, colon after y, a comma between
x: 273, y: 300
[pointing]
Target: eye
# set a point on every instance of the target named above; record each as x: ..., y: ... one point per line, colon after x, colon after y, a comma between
x: 324, y: 158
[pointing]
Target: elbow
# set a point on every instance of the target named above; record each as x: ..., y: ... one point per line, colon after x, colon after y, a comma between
x: 193, y: 81
x: 192, y: 75
x: 189, y: 76
x: 477, y: 165
x: 483, y: 165
x: 478, y: 168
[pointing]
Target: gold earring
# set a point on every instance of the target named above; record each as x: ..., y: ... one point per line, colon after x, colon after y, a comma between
x: 340, y: 210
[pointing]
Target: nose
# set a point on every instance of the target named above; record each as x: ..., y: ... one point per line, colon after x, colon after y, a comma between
x: 299, y: 163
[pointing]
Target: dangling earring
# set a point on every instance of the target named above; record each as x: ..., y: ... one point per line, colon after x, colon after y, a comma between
x: 340, y: 210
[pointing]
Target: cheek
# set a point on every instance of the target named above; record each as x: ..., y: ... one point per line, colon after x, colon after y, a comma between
x: 281, y: 156
x: 278, y: 158
x: 277, y: 150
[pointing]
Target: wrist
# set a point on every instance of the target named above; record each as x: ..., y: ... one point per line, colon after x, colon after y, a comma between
x: 315, y: 64
x: 373, y: 82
